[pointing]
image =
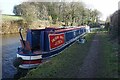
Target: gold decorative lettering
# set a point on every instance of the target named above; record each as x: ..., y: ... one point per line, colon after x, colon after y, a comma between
x: 61, y: 37
x: 53, y: 40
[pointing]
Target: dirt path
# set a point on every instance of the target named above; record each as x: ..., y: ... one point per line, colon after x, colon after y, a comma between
x: 91, y: 64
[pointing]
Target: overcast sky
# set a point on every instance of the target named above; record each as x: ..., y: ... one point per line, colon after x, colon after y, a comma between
x: 106, y: 7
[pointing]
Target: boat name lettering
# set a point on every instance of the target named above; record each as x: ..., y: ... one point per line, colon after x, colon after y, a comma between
x: 56, y: 40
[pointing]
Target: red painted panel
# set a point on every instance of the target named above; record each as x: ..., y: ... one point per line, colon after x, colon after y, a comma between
x: 32, y: 62
x: 56, y: 40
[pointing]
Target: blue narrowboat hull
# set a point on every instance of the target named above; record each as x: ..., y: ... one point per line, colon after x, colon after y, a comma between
x: 52, y: 42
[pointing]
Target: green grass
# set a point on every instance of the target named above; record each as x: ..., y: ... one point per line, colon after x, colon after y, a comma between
x: 10, y: 17
x: 109, y: 57
x: 64, y: 65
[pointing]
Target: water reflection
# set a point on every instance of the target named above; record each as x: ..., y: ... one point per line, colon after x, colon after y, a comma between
x: 9, y: 49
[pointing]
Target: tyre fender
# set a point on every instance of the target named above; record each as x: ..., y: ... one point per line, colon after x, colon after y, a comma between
x: 18, y: 61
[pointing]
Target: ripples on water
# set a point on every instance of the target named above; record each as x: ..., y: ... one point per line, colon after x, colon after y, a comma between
x: 9, y: 46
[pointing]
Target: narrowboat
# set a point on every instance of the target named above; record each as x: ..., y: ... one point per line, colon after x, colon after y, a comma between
x: 41, y: 44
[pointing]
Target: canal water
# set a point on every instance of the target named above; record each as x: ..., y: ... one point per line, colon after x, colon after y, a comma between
x: 10, y: 43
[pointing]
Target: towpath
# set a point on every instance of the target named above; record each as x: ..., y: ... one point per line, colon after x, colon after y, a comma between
x: 91, y: 65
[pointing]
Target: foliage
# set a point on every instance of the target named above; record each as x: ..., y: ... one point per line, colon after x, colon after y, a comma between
x: 114, y: 27
x: 71, y: 13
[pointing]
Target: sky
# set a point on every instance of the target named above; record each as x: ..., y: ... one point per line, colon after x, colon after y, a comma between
x: 106, y: 7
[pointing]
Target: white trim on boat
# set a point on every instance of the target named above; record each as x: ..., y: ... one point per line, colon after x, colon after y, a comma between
x: 30, y: 57
x: 27, y: 66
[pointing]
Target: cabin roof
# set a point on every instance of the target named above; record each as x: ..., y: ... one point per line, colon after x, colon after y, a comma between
x: 57, y: 29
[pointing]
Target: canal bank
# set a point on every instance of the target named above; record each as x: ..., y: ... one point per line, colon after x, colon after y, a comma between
x: 70, y: 61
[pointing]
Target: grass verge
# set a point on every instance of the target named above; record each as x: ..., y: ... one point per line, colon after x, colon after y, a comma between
x: 11, y: 17
x: 109, y: 56
x: 64, y: 65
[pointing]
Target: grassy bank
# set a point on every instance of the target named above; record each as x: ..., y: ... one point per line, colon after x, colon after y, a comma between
x: 11, y: 23
x: 11, y: 17
x: 109, y: 56
x: 64, y: 65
